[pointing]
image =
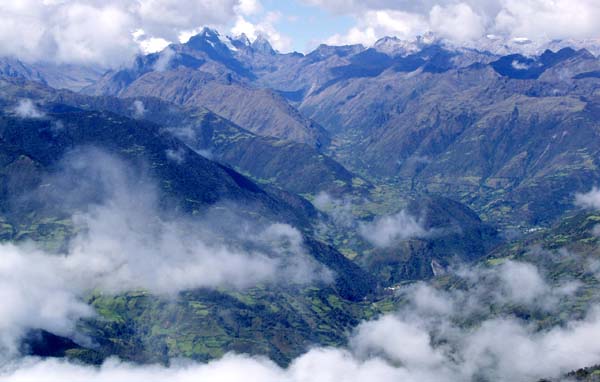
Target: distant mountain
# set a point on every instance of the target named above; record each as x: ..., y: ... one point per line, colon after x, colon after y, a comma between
x: 71, y: 77
x: 204, y: 72
x: 409, y: 113
x: 13, y: 68
x: 482, y: 146
x: 498, y: 134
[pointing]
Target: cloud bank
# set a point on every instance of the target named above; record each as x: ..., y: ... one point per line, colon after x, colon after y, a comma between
x: 110, y: 32
x: 124, y: 241
x: 467, y: 20
x: 424, y: 341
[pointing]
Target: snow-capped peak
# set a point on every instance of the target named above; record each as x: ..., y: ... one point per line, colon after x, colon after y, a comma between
x: 395, y: 46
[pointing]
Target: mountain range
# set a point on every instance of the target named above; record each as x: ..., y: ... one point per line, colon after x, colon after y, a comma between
x: 408, y: 109
x: 395, y: 163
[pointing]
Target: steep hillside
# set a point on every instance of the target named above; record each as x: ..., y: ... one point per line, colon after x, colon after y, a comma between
x: 267, y: 160
x: 449, y: 234
x: 32, y: 150
x: 484, y: 137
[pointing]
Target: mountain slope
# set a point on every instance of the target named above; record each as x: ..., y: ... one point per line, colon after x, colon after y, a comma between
x: 485, y: 138
x: 453, y: 234
x: 32, y: 150
x: 32, y: 146
x: 265, y: 159
x: 204, y: 73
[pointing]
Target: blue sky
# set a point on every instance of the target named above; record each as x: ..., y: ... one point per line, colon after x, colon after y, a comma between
x: 307, y: 25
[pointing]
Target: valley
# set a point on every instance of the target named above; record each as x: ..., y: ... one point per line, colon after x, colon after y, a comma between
x: 218, y: 200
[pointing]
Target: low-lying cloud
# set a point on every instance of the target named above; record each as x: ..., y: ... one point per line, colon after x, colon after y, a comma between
x: 139, y: 109
x: 425, y: 341
x: 177, y: 156
x: 386, y: 231
x: 124, y: 241
x: 164, y: 60
x: 340, y: 210
x: 518, y: 65
x: 27, y: 109
x: 589, y: 199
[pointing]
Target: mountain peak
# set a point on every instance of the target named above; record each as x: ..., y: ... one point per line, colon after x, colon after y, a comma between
x: 324, y: 50
x: 207, y: 32
x: 262, y: 45
x: 395, y: 46
x: 210, y: 39
x: 242, y: 39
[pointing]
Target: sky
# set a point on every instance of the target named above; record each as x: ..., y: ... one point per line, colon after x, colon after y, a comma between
x: 110, y: 32
x: 305, y: 25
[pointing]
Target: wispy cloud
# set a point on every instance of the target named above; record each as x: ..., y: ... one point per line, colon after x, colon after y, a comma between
x: 139, y: 109
x: 27, y: 109
x: 424, y: 341
x: 589, y: 199
x: 387, y: 230
x: 124, y: 241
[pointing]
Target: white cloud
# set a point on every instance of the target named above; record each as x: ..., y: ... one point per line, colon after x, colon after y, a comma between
x: 34, y: 295
x: 406, y: 343
x: 414, y: 344
x: 374, y: 24
x: 149, y: 44
x: 512, y: 283
x: 589, y: 200
x: 522, y: 282
x: 249, y: 7
x: 139, y: 110
x: 27, y: 109
x: 551, y: 19
x: 124, y: 242
x: 385, y: 231
x: 88, y: 31
x: 456, y: 22
x: 467, y: 20
x: 519, y: 65
x: 177, y: 156
x: 339, y: 210
x: 106, y: 32
x: 164, y: 60
x: 167, y: 18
